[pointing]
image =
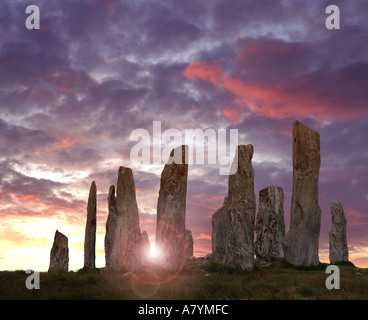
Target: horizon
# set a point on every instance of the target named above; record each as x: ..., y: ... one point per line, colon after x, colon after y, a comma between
x: 73, y: 91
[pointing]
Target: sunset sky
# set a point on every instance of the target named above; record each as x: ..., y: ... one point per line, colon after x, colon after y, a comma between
x: 72, y: 92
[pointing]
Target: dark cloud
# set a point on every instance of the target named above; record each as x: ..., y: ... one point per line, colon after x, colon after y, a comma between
x: 72, y: 92
x: 16, y: 140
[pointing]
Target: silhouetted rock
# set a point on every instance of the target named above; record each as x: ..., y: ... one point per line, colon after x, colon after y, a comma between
x: 188, y: 244
x: 123, y: 236
x: 338, y: 243
x: 270, y: 225
x: 110, y: 227
x: 90, y: 233
x: 220, y: 228
x: 145, y: 246
x: 301, y: 242
x: 59, y: 256
x: 241, y: 204
x: 170, y: 231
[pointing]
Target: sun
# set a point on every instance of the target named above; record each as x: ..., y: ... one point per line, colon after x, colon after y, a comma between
x: 155, y: 253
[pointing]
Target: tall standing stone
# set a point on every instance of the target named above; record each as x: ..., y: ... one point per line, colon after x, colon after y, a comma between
x: 170, y: 230
x: 270, y: 225
x: 338, y: 243
x: 90, y: 233
x: 59, y: 256
x: 301, y: 242
x: 220, y: 228
x: 123, y: 235
x: 111, y: 224
x: 188, y: 244
x: 241, y: 204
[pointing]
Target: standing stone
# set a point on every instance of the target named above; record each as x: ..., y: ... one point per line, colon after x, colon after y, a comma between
x: 170, y: 230
x: 90, y: 233
x: 110, y: 227
x: 123, y: 235
x: 241, y: 204
x: 145, y: 246
x: 301, y: 242
x: 220, y: 228
x: 338, y: 244
x: 270, y: 225
x: 59, y: 256
x: 188, y: 244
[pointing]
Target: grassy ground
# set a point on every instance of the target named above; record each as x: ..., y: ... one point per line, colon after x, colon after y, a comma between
x: 199, y: 279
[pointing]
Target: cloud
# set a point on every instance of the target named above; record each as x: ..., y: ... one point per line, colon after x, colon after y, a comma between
x: 303, y: 96
x: 16, y: 139
x: 27, y: 196
x: 203, y: 236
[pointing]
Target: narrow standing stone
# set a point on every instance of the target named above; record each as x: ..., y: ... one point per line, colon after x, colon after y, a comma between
x: 188, y: 244
x: 90, y: 233
x: 110, y: 228
x: 241, y: 212
x: 145, y: 246
x: 123, y: 235
x: 301, y: 242
x: 270, y: 225
x: 338, y: 243
x: 59, y: 256
x: 170, y: 230
x: 220, y: 228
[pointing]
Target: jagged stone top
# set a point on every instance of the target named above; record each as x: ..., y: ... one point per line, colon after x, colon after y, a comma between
x: 92, y: 200
x: 179, y: 155
x: 60, y: 238
x: 125, y: 192
x: 337, y: 211
x: 111, y: 194
x: 243, y: 156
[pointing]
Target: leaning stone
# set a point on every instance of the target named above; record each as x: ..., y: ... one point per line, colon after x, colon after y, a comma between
x: 59, y: 256
x: 188, y: 244
x: 338, y: 243
x: 145, y: 246
x: 301, y: 242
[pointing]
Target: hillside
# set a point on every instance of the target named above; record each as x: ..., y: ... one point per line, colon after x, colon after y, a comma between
x: 200, y: 279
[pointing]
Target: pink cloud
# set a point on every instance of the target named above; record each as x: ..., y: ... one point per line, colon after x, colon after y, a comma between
x: 277, y: 100
x: 203, y: 236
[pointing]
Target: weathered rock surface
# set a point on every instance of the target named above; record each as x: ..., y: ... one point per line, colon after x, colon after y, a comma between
x: 110, y: 227
x: 220, y: 228
x: 123, y: 235
x: 188, y: 244
x: 90, y: 233
x: 301, y: 242
x: 59, y: 256
x: 170, y: 230
x: 145, y: 246
x: 241, y: 204
x: 270, y: 225
x: 338, y: 243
